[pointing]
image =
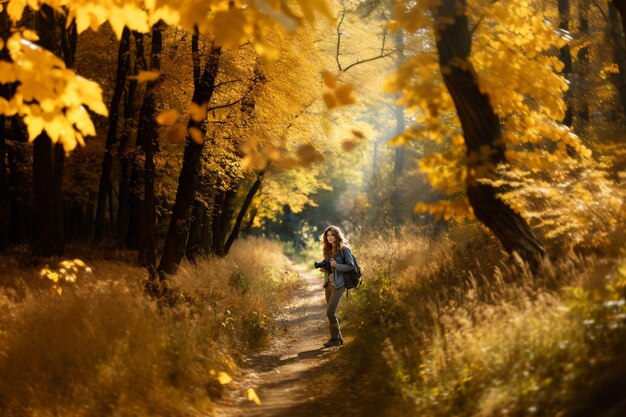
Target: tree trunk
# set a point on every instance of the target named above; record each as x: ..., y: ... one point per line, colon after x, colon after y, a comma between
x: 5, y: 206
x: 566, y: 57
x: 148, y: 135
x: 19, y: 182
x: 176, y: 240
x: 620, y: 54
x: 123, y: 65
x: 620, y: 5
x: 47, y: 239
x: 200, y: 218
x: 248, y: 226
x: 48, y: 159
x: 481, y: 128
x: 583, y: 58
x: 242, y: 212
x: 400, y: 151
x: 122, y: 150
x: 136, y: 176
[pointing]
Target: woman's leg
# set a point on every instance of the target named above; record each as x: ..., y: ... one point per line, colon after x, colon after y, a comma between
x: 333, y: 295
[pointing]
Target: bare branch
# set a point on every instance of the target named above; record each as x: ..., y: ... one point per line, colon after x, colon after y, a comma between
x: 370, y: 59
x: 343, y: 15
x: 227, y: 82
x: 253, y: 83
x: 476, y: 25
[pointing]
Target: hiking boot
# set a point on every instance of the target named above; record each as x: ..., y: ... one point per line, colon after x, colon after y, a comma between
x: 333, y: 342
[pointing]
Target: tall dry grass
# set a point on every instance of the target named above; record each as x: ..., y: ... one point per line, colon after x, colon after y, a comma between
x: 103, y: 348
x: 455, y: 328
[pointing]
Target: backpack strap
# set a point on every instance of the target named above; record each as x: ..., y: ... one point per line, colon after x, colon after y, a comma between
x: 343, y: 256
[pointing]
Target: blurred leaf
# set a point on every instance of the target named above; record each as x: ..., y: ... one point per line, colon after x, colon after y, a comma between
x: 144, y: 76
x: 349, y: 145
x: 230, y: 27
x: 329, y: 100
x: 176, y: 133
x: 196, y: 135
x: 329, y: 79
x: 358, y: 134
x: 198, y: 111
x: 344, y: 94
x: 167, y: 117
x: 308, y: 155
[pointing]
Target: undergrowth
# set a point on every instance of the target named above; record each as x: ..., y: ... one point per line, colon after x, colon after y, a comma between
x: 101, y: 347
x: 453, y: 327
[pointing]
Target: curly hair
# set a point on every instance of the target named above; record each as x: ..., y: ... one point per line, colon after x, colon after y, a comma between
x: 327, y: 248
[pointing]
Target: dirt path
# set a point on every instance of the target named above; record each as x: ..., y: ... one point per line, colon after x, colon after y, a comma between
x: 281, y: 375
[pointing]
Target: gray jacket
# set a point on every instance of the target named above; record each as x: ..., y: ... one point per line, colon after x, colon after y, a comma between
x: 342, y: 266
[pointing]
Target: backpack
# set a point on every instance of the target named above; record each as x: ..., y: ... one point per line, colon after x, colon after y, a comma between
x: 352, y: 278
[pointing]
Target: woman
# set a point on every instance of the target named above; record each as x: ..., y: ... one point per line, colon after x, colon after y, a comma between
x: 335, y: 248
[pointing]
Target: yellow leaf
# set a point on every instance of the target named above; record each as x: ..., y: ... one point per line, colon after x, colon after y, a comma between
x: 34, y: 125
x: 229, y: 27
x: 348, y: 145
x: 30, y: 35
x: 330, y: 101
x: 196, y: 135
x: 252, y: 396
x: 329, y: 79
x: 176, y: 133
x: 144, y: 76
x: 358, y: 134
x: 198, y: 111
x: 7, y: 72
x: 287, y: 163
x: 15, y: 9
x: 344, y: 94
x: 135, y: 18
x: 308, y: 154
x: 59, y: 290
x: 167, y: 117
x: 224, y: 378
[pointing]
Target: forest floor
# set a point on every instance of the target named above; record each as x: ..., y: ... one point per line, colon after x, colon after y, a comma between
x: 296, y: 375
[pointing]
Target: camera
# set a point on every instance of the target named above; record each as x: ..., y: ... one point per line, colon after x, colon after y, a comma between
x: 324, y: 264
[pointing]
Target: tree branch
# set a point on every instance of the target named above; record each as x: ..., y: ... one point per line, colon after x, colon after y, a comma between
x: 343, y: 15
x: 369, y: 60
x: 239, y: 100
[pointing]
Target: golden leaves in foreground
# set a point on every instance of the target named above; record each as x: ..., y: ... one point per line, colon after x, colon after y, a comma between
x: 54, y: 103
x: 352, y: 143
x: 176, y: 133
x: 308, y: 155
x: 167, y: 117
x: 51, y: 98
x: 67, y: 271
x: 339, y: 94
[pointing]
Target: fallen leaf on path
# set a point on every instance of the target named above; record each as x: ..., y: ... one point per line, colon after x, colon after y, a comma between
x: 224, y: 378
x: 253, y: 397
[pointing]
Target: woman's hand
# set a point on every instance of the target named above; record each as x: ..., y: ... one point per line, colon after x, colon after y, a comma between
x: 333, y: 263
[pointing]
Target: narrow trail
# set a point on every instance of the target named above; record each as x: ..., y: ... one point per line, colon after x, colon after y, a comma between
x: 282, y: 374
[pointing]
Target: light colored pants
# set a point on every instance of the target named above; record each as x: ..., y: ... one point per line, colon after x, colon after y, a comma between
x: 333, y: 295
